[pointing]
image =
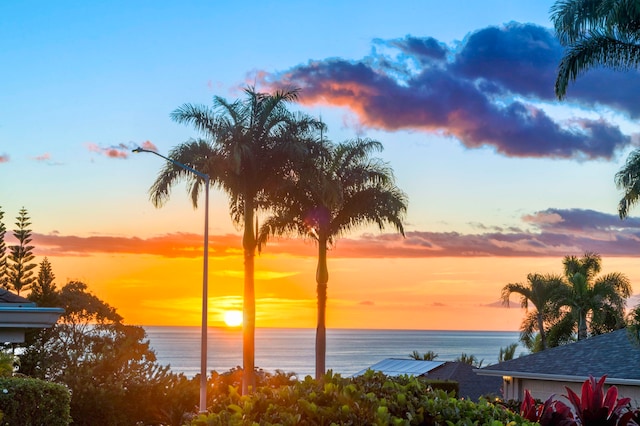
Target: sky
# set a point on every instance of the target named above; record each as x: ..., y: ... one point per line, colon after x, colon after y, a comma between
x: 502, y: 178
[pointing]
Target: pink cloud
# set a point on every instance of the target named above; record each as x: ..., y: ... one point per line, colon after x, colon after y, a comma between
x: 4, y: 158
x: 149, y: 145
x: 44, y: 157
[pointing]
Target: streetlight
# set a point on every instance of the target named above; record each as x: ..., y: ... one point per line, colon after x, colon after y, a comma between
x: 205, y: 276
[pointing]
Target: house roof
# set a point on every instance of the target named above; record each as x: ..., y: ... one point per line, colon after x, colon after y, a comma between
x: 13, y: 299
x: 470, y: 385
x: 399, y: 367
x: 611, y: 354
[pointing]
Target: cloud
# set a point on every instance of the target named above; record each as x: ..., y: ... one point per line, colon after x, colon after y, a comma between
x: 4, y: 158
x: 552, y: 233
x: 44, y: 157
x: 485, y: 93
x: 119, y: 151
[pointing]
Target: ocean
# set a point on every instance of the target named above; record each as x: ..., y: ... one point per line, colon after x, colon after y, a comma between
x: 292, y: 349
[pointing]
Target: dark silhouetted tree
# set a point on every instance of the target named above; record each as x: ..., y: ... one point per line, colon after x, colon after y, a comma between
x: 338, y: 188
x: 20, y: 266
x: 249, y: 146
x: 43, y: 291
x: 540, y: 291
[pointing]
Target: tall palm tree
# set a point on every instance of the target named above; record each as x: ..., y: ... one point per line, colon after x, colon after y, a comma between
x: 249, y: 146
x: 593, y: 304
x: 540, y: 290
x: 339, y: 188
x: 595, y: 33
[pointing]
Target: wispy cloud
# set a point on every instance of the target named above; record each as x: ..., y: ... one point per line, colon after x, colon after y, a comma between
x: 552, y: 232
x: 485, y: 92
x: 4, y: 158
x: 119, y: 151
x: 44, y: 157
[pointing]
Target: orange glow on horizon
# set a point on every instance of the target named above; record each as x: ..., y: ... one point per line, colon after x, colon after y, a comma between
x: 425, y: 294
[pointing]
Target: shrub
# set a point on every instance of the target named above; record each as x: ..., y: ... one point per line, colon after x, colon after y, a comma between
x: 26, y: 401
x: 371, y: 399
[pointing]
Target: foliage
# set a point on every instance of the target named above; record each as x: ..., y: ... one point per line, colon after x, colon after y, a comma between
x: 8, y: 363
x: 372, y: 399
x: 551, y: 413
x: 249, y: 146
x: 43, y: 291
x: 470, y: 359
x: 595, y: 33
x: 108, y: 366
x: 593, y: 304
x: 507, y: 353
x: 597, y: 407
x: 28, y: 401
x: 540, y: 290
x: 335, y: 189
x: 594, y: 408
x: 20, y: 266
x: 427, y: 356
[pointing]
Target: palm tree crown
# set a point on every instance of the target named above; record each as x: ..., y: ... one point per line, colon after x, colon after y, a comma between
x: 337, y: 189
x: 248, y: 147
x: 596, y: 33
x: 541, y: 291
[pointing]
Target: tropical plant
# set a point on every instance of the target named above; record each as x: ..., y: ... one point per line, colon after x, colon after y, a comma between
x: 591, y: 304
x: 250, y: 145
x: 597, y: 407
x: 339, y: 187
x: 507, y: 353
x: 20, y: 265
x: 595, y: 33
x: 550, y: 413
x: 427, y: 356
x: 470, y: 359
x: 540, y: 290
x: 628, y: 180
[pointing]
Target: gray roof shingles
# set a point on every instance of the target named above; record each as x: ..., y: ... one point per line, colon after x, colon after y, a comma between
x: 613, y: 354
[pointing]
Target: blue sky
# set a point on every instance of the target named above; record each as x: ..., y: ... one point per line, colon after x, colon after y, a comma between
x: 459, y: 92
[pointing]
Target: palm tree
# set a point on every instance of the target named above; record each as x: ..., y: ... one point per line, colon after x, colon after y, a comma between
x: 593, y: 304
x: 540, y: 290
x: 628, y: 180
x: 596, y: 33
x: 249, y: 147
x: 339, y: 188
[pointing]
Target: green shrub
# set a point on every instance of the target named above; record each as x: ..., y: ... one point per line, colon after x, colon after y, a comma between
x: 371, y: 399
x: 26, y: 401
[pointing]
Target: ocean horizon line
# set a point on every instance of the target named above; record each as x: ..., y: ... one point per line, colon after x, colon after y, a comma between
x: 239, y: 328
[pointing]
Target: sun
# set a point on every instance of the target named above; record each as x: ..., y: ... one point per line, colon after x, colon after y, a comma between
x: 233, y: 318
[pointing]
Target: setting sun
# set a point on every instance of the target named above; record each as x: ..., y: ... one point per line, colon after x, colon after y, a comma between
x: 233, y: 318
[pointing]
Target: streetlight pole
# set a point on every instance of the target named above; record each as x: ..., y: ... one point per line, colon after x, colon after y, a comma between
x: 205, y: 277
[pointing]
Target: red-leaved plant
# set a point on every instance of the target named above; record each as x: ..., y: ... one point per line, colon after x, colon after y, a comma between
x: 551, y: 413
x: 597, y: 408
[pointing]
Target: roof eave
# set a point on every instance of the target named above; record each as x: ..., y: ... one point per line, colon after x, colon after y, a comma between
x: 554, y: 377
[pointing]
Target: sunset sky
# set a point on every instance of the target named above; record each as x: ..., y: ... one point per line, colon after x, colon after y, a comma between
x: 502, y: 178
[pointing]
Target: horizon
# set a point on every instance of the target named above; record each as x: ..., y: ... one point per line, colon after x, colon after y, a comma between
x: 502, y: 179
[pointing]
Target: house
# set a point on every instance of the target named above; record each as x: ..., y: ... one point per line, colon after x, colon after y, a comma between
x: 18, y: 314
x: 470, y: 385
x: 547, y: 372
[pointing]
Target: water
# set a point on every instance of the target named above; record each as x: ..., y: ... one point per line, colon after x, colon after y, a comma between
x: 293, y: 350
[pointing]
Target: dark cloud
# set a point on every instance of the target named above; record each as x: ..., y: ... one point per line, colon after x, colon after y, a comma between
x: 484, y: 93
x: 554, y: 232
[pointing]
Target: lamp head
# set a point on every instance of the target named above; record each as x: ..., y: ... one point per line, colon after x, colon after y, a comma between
x: 138, y: 149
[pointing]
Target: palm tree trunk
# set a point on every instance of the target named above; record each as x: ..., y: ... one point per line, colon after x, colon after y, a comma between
x: 543, y: 338
x: 322, y: 277
x: 582, y: 326
x: 249, y: 302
